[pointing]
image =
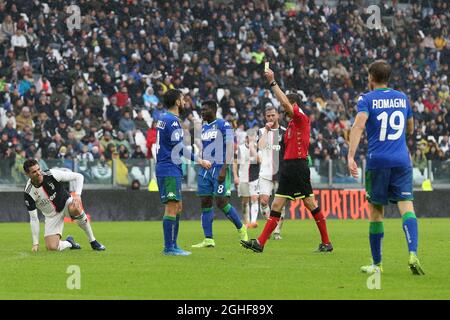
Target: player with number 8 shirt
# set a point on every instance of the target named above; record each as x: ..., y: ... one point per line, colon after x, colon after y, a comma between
x: 215, y: 182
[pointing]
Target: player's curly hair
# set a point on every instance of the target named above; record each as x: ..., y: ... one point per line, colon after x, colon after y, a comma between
x: 171, y: 97
x: 211, y: 104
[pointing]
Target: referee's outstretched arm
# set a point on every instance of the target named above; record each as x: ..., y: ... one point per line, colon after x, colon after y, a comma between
x: 282, y: 98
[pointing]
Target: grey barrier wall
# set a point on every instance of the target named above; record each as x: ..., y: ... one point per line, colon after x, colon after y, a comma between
x: 127, y: 205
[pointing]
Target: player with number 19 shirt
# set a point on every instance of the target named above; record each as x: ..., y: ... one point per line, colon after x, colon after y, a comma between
x: 386, y: 115
x: 388, y: 109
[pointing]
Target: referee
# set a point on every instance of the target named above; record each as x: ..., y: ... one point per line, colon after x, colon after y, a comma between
x: 295, y: 182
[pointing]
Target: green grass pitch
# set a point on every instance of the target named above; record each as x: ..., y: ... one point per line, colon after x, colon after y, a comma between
x: 134, y: 268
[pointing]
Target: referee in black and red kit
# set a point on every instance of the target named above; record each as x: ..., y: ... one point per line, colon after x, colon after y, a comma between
x: 295, y: 182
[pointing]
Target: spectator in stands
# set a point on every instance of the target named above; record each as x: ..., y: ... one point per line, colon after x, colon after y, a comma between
x: 122, y: 141
x: 19, y: 45
x: 151, y: 140
x: 158, y: 112
x: 127, y: 126
x: 135, y: 185
x: 24, y: 119
x: 216, y: 46
x: 150, y: 99
x: 140, y: 122
x: 78, y: 130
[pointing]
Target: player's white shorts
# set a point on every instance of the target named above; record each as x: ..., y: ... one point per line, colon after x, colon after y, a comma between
x: 55, y: 224
x: 266, y: 186
x: 248, y: 189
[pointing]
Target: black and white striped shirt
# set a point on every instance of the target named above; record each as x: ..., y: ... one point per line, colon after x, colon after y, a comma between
x: 51, y: 196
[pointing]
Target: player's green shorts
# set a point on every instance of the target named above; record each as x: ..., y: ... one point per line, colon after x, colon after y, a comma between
x: 169, y: 188
x: 389, y: 185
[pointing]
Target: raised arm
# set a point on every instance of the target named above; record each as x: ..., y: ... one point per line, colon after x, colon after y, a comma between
x: 264, y: 132
x: 254, y: 155
x: 68, y: 176
x: 281, y: 97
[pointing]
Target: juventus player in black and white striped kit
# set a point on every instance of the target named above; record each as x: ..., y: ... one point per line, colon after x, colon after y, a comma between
x: 45, y: 191
x: 271, y: 148
x: 246, y: 174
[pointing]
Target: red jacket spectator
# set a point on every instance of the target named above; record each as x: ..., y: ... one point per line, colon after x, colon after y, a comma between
x: 342, y: 50
x: 122, y: 97
x: 151, y: 139
x: 431, y: 104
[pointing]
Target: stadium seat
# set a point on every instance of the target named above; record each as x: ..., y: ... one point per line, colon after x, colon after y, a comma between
x: 141, y: 141
x: 136, y: 173
x: 220, y: 94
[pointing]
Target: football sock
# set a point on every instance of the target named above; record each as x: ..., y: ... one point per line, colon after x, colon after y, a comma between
x: 63, y: 245
x: 207, y: 222
x: 265, y: 211
x: 321, y: 224
x: 254, y: 212
x: 245, y: 212
x: 376, y: 234
x: 175, y: 233
x: 232, y: 215
x: 169, y: 231
x: 411, y: 231
x: 270, y: 225
x: 280, y: 223
x: 84, y: 224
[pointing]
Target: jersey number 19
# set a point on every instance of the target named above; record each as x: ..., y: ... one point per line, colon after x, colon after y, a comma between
x: 397, y: 125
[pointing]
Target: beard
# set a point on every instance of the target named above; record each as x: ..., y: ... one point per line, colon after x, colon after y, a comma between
x: 182, y: 112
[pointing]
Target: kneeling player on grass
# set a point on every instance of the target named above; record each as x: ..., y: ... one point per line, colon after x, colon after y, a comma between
x: 218, y: 146
x: 295, y: 182
x: 384, y: 112
x: 169, y: 173
x: 45, y: 191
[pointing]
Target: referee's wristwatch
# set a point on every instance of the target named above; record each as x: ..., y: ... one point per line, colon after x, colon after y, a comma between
x: 273, y: 83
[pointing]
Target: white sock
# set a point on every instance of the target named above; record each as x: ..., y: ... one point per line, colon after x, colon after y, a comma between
x: 84, y: 224
x: 63, y: 245
x: 246, y: 211
x: 280, y: 223
x: 254, y: 211
x: 265, y: 211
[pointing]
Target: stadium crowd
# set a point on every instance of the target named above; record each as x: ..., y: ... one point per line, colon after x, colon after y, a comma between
x: 94, y: 93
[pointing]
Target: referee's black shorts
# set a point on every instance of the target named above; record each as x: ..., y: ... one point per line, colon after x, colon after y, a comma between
x: 295, y: 181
